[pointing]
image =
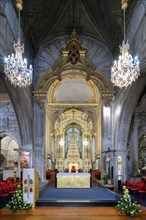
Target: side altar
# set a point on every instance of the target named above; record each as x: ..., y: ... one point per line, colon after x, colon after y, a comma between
x: 73, y: 180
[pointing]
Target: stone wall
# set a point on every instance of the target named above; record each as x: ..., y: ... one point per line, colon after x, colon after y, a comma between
x: 8, y: 120
x: 137, y: 152
x: 8, y: 146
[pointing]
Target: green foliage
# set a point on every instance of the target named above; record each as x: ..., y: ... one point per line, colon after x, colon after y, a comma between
x: 105, y: 176
x: 126, y: 206
x: 17, y: 202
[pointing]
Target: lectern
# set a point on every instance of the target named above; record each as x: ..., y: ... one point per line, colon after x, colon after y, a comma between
x: 30, y: 185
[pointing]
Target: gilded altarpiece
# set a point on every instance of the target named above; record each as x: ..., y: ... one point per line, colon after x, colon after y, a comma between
x: 73, y: 127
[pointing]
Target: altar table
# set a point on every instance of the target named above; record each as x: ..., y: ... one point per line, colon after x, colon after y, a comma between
x: 73, y: 180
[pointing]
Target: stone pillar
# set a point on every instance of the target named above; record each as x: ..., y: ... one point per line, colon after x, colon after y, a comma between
x: 130, y: 160
x: 106, y: 139
x: 47, y: 135
x: 0, y: 149
x: 135, y: 146
x: 39, y: 141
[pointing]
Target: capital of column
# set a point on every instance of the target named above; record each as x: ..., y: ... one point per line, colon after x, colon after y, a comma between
x: 40, y: 97
x: 107, y: 96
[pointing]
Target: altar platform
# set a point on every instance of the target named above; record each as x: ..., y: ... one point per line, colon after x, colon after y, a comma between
x: 77, y: 197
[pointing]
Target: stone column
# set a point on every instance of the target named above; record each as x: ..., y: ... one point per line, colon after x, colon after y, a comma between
x: 39, y: 141
x: 106, y: 138
x: 135, y: 145
x: 0, y: 149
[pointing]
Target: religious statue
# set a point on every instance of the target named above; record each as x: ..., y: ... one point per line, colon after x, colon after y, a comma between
x: 24, y: 163
x: 73, y: 135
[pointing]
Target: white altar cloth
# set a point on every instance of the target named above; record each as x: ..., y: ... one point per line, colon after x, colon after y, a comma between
x: 73, y: 180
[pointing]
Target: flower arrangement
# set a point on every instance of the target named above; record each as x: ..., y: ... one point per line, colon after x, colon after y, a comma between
x: 17, y: 202
x: 105, y: 176
x: 126, y: 206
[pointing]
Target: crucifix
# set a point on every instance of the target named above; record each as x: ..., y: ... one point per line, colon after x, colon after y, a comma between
x: 107, y: 155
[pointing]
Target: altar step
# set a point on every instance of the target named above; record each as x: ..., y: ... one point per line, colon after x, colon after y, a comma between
x: 77, y: 197
x: 76, y: 203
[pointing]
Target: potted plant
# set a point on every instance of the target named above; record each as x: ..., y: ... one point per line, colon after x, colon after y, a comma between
x: 126, y: 206
x: 105, y: 177
x: 17, y: 202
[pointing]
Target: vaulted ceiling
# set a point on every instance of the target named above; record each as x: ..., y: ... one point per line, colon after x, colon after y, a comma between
x: 103, y: 19
x: 42, y: 21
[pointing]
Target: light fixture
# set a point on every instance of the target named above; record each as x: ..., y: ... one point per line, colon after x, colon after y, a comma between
x: 85, y: 142
x: 15, y: 67
x: 126, y: 70
x: 61, y: 142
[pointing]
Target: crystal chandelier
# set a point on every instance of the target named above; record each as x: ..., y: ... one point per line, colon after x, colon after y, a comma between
x: 126, y: 70
x: 15, y: 67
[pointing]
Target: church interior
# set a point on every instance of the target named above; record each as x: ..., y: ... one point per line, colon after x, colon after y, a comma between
x: 68, y: 110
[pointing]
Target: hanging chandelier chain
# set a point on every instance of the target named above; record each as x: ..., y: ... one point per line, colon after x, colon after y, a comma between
x: 124, y: 5
x: 124, y: 25
x: 19, y: 6
x: 19, y: 25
